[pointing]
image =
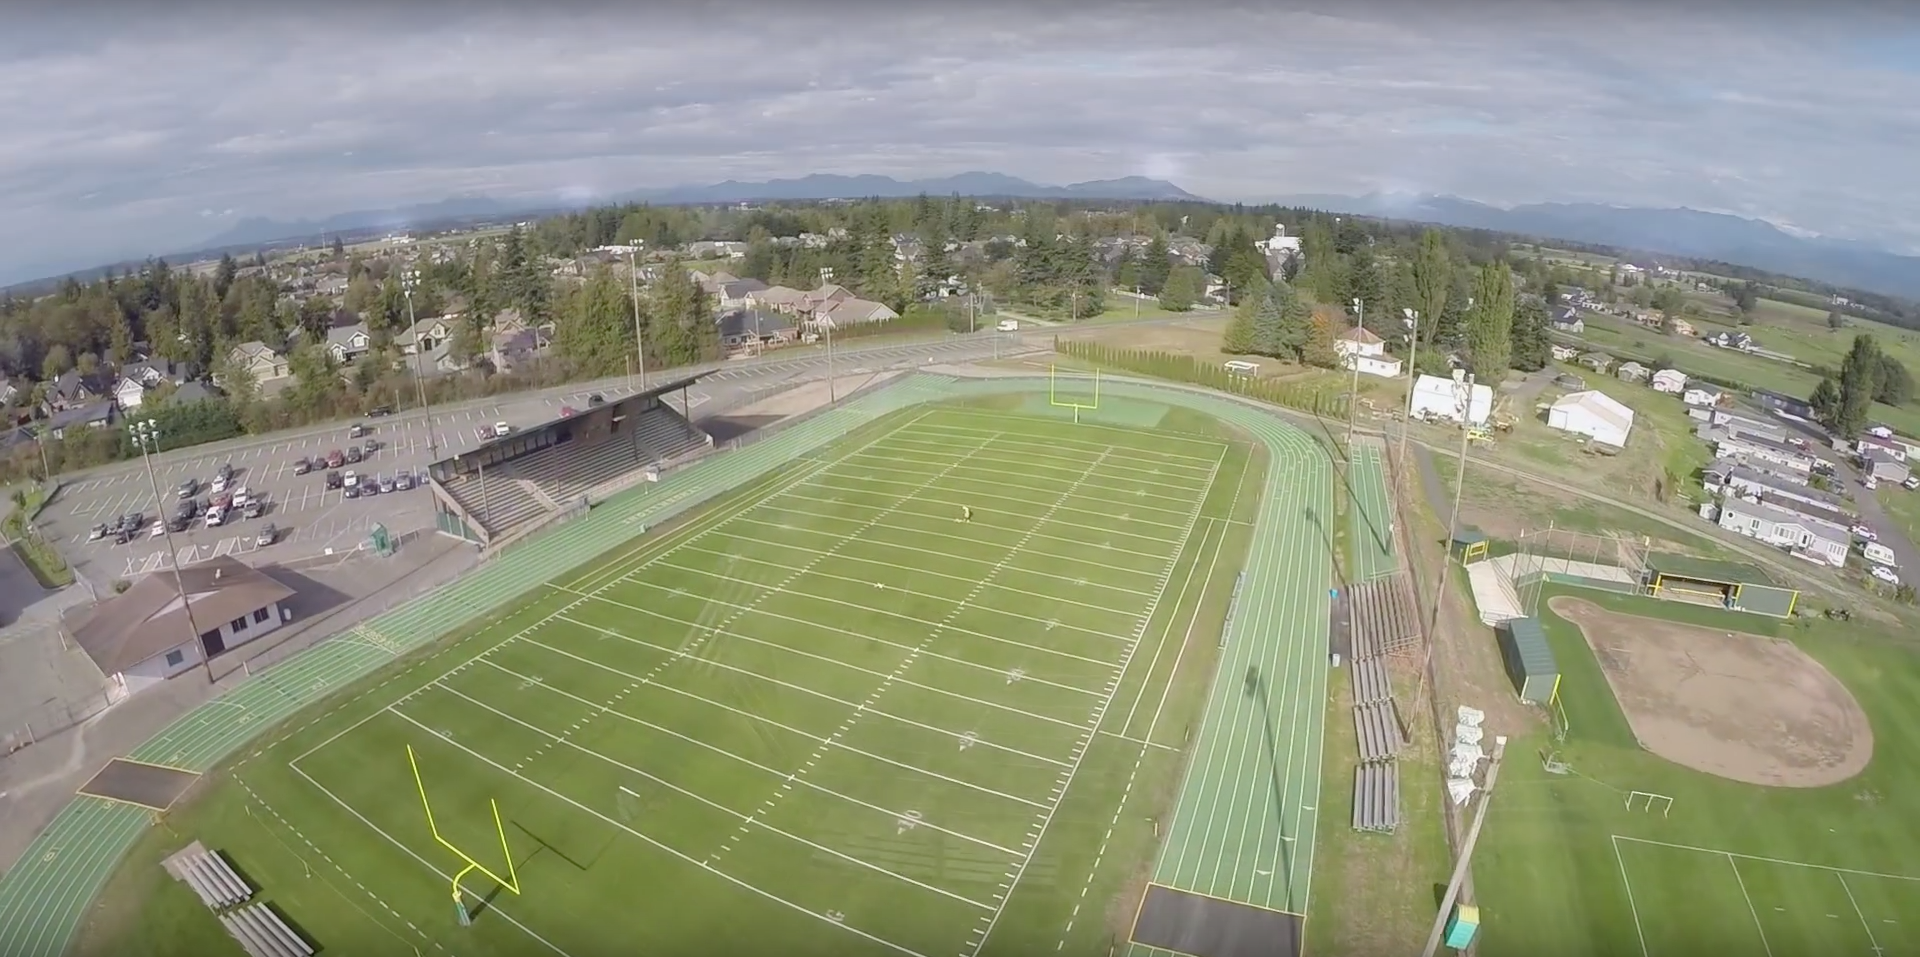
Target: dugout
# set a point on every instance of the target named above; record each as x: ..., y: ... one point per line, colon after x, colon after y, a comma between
x: 1469, y: 545
x: 1730, y: 585
x: 1530, y: 663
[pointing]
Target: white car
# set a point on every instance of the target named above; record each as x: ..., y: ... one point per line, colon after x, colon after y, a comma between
x: 351, y: 479
x: 215, y: 516
x: 1864, y: 533
x: 501, y: 429
x: 219, y: 484
x: 1912, y: 482
x: 1885, y: 574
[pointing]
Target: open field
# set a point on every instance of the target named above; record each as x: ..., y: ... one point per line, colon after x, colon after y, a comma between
x: 1579, y: 863
x: 832, y: 713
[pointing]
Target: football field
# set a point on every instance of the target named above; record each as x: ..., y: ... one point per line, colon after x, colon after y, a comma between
x: 836, y: 715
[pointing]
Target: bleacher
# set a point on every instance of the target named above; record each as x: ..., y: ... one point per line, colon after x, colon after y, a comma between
x: 258, y: 930
x: 663, y: 435
x: 539, y: 482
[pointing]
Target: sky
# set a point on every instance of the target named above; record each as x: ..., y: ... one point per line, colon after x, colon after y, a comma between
x: 147, y: 130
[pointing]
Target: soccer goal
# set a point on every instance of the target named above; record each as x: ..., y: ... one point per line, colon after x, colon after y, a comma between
x: 1647, y: 800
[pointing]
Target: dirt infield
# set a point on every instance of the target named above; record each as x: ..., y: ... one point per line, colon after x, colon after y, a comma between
x: 1740, y: 706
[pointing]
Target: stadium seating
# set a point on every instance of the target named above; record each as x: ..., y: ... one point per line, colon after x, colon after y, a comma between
x: 663, y: 435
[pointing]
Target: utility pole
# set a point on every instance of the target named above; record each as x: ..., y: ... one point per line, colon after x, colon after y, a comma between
x: 633, y: 277
x: 1466, y: 849
x: 1463, y: 386
x: 1353, y: 391
x: 146, y: 434
x: 1412, y: 322
x: 826, y: 276
x: 408, y: 281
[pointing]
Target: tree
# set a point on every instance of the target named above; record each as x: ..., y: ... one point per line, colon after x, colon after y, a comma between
x: 1268, y: 339
x: 1490, y: 322
x: 1432, y: 283
x: 596, y: 328
x: 1294, y: 335
x: 1835, y: 320
x: 339, y: 249
x: 224, y: 274
x: 681, y: 329
x: 1531, y: 348
x: 1825, y: 400
x: 1156, y: 266
x: 1893, y: 384
x: 1239, y: 337
x: 1859, y: 380
x: 1182, y: 289
x: 1746, y: 298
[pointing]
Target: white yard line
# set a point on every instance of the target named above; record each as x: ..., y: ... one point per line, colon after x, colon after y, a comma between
x: 950, y: 556
x: 1632, y: 906
x: 1756, y: 911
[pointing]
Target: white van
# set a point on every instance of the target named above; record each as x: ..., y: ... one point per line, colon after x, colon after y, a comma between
x: 1009, y: 325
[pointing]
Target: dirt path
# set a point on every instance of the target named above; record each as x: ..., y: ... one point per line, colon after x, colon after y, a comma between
x: 1739, y: 706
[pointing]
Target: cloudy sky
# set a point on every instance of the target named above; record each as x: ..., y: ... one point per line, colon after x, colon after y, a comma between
x: 147, y: 130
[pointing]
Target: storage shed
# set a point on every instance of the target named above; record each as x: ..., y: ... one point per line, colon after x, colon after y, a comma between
x: 1523, y: 644
x: 1594, y: 414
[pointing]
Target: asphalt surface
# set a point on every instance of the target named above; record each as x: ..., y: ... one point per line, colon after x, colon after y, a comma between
x: 314, y: 522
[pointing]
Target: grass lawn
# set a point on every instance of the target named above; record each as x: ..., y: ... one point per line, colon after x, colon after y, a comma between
x: 835, y: 718
x: 1566, y: 867
x: 39, y: 555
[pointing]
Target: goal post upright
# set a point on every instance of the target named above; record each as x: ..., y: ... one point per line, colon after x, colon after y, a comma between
x: 511, y: 882
x: 1053, y: 393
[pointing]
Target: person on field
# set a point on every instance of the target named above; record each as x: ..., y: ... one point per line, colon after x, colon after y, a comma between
x: 966, y: 513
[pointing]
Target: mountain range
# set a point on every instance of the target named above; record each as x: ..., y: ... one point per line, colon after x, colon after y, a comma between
x: 1684, y: 232
x: 257, y: 230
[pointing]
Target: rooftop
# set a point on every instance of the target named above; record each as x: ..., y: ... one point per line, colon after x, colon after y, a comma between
x: 150, y: 617
x: 1706, y: 569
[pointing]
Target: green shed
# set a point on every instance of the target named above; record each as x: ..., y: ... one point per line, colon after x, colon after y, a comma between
x: 1530, y: 664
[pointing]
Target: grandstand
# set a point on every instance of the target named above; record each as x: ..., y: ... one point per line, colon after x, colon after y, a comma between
x: 518, y: 482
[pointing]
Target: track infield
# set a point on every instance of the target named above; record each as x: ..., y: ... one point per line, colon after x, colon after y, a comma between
x: 842, y: 715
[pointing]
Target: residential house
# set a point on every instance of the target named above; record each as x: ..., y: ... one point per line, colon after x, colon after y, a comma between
x: 1804, y: 536
x: 1633, y: 372
x: 189, y: 393
x: 1280, y: 248
x: 1720, y: 422
x: 136, y: 378
x: 1756, y: 485
x: 1568, y: 321
x: 1681, y: 327
x: 743, y: 327
x: 141, y: 637
x: 1565, y: 353
x: 94, y: 415
x: 850, y: 312
x: 1731, y: 340
x: 815, y: 301
x: 1361, y: 350
x: 512, y: 348
x: 1871, y: 441
x: 349, y: 343
x: 735, y: 295
x: 784, y: 299
x: 1597, y: 361
x: 1670, y: 381
x: 1884, y: 465
x: 259, y: 360
x: 71, y: 390
x: 427, y: 334
x: 1702, y: 395
x: 1754, y: 450
x: 10, y: 391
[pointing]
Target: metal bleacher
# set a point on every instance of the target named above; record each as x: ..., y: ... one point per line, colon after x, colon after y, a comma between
x: 262, y: 933
x: 663, y: 435
x: 1376, y: 797
x: 1378, y: 729
x: 212, y: 879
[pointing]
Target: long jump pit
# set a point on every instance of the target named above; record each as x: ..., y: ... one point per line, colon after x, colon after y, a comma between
x: 151, y: 786
x: 1740, y: 706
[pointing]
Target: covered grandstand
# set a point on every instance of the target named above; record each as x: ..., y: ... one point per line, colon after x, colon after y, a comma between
x: 521, y: 481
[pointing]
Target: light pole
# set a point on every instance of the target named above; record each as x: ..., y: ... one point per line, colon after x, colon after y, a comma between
x: 633, y: 281
x: 826, y: 276
x: 1353, y: 391
x: 408, y: 281
x: 146, y: 434
x: 1412, y: 322
x: 1463, y: 386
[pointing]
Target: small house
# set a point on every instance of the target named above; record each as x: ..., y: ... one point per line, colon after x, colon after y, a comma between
x: 1597, y: 361
x: 1596, y: 415
x: 1633, y: 372
x: 1363, y: 351
x: 1670, y: 381
x: 1702, y: 395
x: 264, y: 364
x: 1568, y: 321
x: 142, y: 637
x: 1565, y: 353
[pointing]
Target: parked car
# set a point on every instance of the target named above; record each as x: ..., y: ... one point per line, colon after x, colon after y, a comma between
x: 122, y: 536
x: 566, y: 410
x: 221, y: 500
x: 351, y: 491
x: 353, y: 453
x: 403, y: 481
x: 99, y: 532
x: 302, y: 466
x: 386, y: 484
x: 596, y: 399
x: 380, y: 410
x: 356, y: 431
x: 132, y: 521
x: 501, y: 430
x: 1885, y: 574
x: 351, y: 478
x: 334, y: 480
x: 370, y: 446
x: 189, y: 488
x: 335, y: 459
x: 216, y: 515
x: 219, y: 484
x: 180, y: 523
x: 266, y: 536
x: 254, y: 509
x: 483, y: 433
x: 224, y: 473
x: 1912, y: 482
x: 1864, y: 533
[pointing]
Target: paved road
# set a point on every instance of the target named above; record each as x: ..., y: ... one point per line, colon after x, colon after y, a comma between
x: 317, y: 522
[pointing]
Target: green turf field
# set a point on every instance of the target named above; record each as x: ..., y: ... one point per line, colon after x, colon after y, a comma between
x: 835, y: 714
x: 1580, y: 864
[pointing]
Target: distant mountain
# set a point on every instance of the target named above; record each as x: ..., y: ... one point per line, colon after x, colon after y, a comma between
x: 1676, y: 232
x: 258, y: 230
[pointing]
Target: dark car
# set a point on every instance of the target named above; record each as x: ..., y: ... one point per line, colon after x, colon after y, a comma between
x: 180, y: 523
x: 266, y: 536
x: 189, y: 488
x: 370, y: 446
x: 353, y: 454
x: 225, y: 471
x: 352, y: 491
x: 380, y: 410
x: 122, y: 536
x: 356, y: 431
x: 302, y: 466
x: 334, y: 480
x: 596, y: 399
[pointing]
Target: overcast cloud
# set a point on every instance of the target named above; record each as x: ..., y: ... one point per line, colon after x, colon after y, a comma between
x: 142, y: 131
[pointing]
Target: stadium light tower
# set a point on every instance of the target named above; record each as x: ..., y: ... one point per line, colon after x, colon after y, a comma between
x: 1412, y: 323
x: 826, y: 276
x: 1353, y: 391
x: 409, y: 281
x: 633, y: 279
x: 146, y: 434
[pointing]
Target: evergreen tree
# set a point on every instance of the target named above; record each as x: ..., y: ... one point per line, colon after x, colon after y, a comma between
x: 1295, y: 332
x: 595, y: 330
x: 1182, y: 289
x: 224, y: 274
x: 1859, y: 380
x: 1432, y: 283
x: 1156, y: 266
x: 1265, y: 310
x: 1531, y: 348
x: 1240, y: 337
x: 1490, y: 322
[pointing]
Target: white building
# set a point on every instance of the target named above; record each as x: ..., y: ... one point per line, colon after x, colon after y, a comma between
x: 1671, y: 381
x: 1700, y: 395
x: 1360, y: 349
x: 1804, y: 536
x: 1438, y: 398
x: 1596, y: 415
x: 149, y: 633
